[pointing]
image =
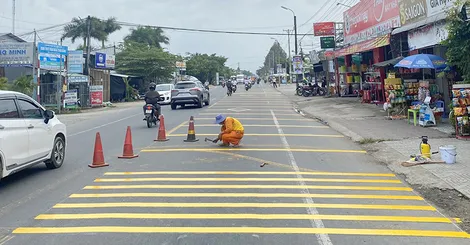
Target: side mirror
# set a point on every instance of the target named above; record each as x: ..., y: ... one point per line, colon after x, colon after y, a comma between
x: 48, y: 115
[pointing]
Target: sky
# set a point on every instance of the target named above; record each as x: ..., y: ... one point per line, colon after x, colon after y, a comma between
x: 233, y: 15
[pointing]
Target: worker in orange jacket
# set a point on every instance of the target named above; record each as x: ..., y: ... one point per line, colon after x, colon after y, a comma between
x: 231, y: 132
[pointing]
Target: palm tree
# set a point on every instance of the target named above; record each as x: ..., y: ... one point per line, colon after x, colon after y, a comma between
x: 78, y: 29
x: 110, y: 26
x: 148, y: 35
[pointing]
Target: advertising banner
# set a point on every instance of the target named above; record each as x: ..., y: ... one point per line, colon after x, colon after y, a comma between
x: 77, y: 78
x: 297, y: 64
x: 439, y: 6
x: 96, y: 95
x: 364, y: 46
x: 16, y: 54
x: 412, y: 11
x: 71, y: 99
x: 369, y: 19
x: 110, y: 61
x: 324, y: 29
x: 51, y: 62
x: 75, y: 62
x: 427, y: 36
x: 47, y: 48
x: 100, y: 60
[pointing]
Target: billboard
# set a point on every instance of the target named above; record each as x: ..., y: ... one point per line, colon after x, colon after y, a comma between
x: 16, y: 54
x: 369, y: 19
x: 324, y: 29
x: 75, y: 62
x: 412, y: 11
x: 48, y: 48
x: 327, y: 42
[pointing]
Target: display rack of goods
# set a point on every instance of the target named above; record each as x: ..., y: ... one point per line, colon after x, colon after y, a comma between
x: 395, y: 91
x: 355, y: 68
x: 461, y: 108
x: 342, y: 69
x: 411, y: 90
x: 423, y: 90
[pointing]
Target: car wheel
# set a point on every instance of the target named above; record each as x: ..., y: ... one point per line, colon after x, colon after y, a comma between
x: 200, y: 103
x: 173, y: 106
x: 57, y: 155
x: 208, y: 101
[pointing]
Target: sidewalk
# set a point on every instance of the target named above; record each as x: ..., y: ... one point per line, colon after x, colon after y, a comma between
x: 390, y: 141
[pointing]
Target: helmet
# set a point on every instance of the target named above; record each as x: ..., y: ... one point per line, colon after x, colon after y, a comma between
x: 152, y: 86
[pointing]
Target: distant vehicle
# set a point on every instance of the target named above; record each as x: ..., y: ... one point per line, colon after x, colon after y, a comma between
x: 190, y: 92
x: 165, y: 91
x: 29, y: 134
x: 240, y: 79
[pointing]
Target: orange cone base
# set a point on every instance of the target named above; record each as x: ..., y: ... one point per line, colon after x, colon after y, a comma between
x: 128, y: 157
x: 98, y: 166
x: 161, y: 140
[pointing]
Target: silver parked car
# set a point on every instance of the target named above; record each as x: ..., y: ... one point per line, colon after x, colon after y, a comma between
x: 190, y: 92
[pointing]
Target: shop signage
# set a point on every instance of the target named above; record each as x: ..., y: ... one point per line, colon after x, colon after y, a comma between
x: 100, y: 60
x: 47, y: 48
x: 369, y: 19
x: 327, y: 42
x: 364, y: 46
x: 75, y: 62
x: 181, y: 64
x: 324, y: 29
x: 412, y: 11
x: 439, y: 6
x: 16, y: 54
x: 71, y: 99
x: 51, y: 62
x: 297, y: 64
x: 110, y: 61
x: 427, y: 36
x: 96, y: 94
x: 78, y: 79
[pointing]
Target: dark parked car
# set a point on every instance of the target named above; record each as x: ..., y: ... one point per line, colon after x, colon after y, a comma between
x: 190, y: 92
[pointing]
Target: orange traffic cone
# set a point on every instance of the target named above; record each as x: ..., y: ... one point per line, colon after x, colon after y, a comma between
x: 191, y: 133
x: 161, y: 130
x: 98, y: 156
x: 128, y: 151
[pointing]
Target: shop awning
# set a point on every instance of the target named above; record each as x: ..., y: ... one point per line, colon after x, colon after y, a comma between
x: 428, y: 20
x: 391, y: 62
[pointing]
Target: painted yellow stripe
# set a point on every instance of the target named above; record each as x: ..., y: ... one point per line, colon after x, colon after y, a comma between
x: 244, y: 216
x: 261, y: 119
x: 257, y: 114
x: 314, y: 187
x: 189, y: 132
x: 249, y: 173
x: 185, y: 179
x: 271, y: 135
x: 242, y: 205
x: 267, y: 195
x: 264, y: 125
x: 239, y: 230
x: 251, y: 149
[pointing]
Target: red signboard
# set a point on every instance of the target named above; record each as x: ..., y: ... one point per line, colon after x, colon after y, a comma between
x: 96, y: 95
x: 324, y: 29
x: 364, y: 46
x: 369, y: 19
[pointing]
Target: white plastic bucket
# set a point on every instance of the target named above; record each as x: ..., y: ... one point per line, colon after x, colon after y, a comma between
x: 448, y: 153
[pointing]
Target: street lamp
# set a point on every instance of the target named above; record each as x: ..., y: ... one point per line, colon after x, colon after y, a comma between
x: 295, y: 27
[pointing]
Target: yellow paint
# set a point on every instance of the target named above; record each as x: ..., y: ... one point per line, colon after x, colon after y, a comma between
x: 249, y: 173
x: 265, y: 126
x: 395, y: 181
x: 242, y: 216
x: 314, y: 187
x: 176, y: 128
x: 240, y: 230
x: 242, y: 205
x: 262, y: 119
x: 257, y: 114
x: 253, y: 149
x: 189, y: 132
x: 268, y: 135
x: 267, y: 195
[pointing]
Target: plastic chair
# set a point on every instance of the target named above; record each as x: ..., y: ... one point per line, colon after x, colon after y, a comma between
x: 415, y: 115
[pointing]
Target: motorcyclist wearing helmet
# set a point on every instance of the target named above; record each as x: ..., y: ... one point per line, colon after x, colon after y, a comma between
x: 151, y: 97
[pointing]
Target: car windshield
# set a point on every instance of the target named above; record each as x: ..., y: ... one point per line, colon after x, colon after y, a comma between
x: 165, y: 87
x: 185, y: 85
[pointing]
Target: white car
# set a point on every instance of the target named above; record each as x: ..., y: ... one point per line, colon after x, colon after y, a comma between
x: 29, y: 134
x: 165, y: 91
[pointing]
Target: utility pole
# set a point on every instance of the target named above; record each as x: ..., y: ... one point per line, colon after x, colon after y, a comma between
x: 59, y: 84
x: 289, y: 52
x: 35, y: 78
x: 88, y: 47
x: 295, y: 29
x: 13, y: 16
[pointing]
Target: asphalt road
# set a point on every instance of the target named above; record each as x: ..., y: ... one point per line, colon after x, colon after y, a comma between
x: 315, y: 187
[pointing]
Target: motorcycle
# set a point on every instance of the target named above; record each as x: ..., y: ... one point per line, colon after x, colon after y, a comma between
x: 223, y: 85
x: 234, y: 88
x: 229, y: 91
x: 150, y: 116
x: 247, y: 86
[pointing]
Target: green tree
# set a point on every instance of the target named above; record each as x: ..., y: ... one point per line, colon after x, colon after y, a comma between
x: 23, y: 84
x: 3, y: 83
x: 100, y: 30
x: 110, y: 26
x: 458, y: 41
x: 276, y: 55
x: 148, y: 35
x: 150, y: 62
x: 205, y: 67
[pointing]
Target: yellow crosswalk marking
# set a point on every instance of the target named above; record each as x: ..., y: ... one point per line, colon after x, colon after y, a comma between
x: 262, y: 119
x: 239, y: 230
x: 250, y: 179
x: 264, y: 125
x: 365, y: 188
x: 264, y: 195
x: 275, y: 135
x: 249, y: 173
x: 244, y: 216
x: 243, y: 205
x: 251, y: 149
